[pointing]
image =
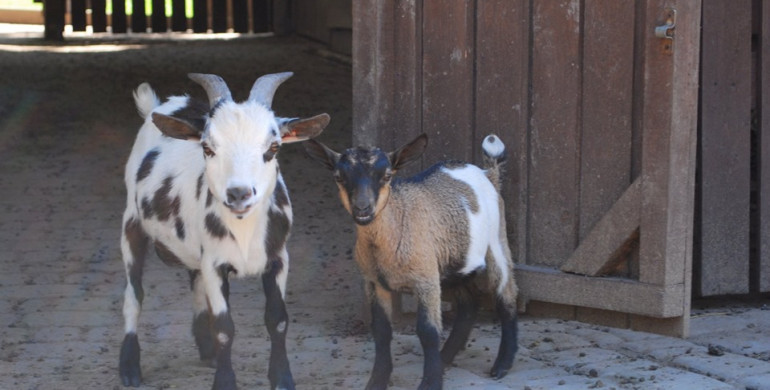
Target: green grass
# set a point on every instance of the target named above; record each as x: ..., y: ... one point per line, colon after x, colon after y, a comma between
x: 21, y: 4
x: 29, y: 4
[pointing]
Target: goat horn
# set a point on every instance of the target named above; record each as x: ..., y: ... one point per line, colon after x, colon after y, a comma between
x: 265, y: 86
x: 215, y: 87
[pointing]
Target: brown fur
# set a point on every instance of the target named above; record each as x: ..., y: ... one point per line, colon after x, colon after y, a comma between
x: 411, y: 243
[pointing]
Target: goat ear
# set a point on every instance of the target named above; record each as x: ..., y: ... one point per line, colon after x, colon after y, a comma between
x: 322, y: 153
x: 409, y: 152
x: 296, y: 130
x: 177, y: 128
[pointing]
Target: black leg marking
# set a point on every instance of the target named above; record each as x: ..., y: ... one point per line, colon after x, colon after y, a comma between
x: 383, y: 334
x: 508, y: 341
x: 432, y: 377
x: 466, y: 310
x: 224, y: 272
x: 130, y: 369
x: 137, y: 241
x: 277, y: 322
x: 224, y: 330
x: 202, y: 329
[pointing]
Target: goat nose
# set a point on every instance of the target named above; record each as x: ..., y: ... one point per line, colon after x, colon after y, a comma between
x: 362, y: 210
x: 239, y: 194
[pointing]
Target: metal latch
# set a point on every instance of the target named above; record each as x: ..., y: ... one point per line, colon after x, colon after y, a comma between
x: 666, y: 30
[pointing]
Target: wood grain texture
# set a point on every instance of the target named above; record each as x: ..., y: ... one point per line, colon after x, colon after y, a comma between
x: 725, y: 148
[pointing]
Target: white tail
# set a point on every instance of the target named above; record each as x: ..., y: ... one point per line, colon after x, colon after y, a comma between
x: 146, y: 99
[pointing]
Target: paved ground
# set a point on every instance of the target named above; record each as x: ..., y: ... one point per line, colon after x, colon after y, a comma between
x: 67, y: 121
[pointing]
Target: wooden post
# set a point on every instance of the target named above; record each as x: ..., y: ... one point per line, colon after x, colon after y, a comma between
x: 78, y: 15
x: 54, y: 20
x: 764, y: 128
x: 178, y: 16
x: 725, y: 148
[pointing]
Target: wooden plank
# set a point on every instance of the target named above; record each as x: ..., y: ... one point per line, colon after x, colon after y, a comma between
x: 404, y: 121
x: 240, y: 16
x: 178, y: 16
x: 372, y: 93
x: 78, y: 15
x: 667, y: 119
x: 670, y: 91
x: 138, y: 17
x: 261, y: 15
x: 447, y: 79
x: 219, y: 16
x: 610, y: 234
x: 158, y: 19
x: 623, y: 295
x: 502, y: 71
x: 606, y: 132
x: 119, y: 20
x: 553, y: 143
x: 200, y: 16
x: 53, y: 11
x: 725, y: 147
x: 764, y: 107
x: 99, y: 15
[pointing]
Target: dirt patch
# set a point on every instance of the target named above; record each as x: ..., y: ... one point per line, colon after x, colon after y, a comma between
x: 67, y: 122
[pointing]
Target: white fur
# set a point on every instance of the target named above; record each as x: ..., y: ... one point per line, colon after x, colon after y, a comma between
x: 493, y: 146
x: 484, y: 225
x: 239, y: 134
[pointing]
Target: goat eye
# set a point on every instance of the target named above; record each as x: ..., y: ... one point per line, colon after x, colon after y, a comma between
x: 272, y: 151
x: 338, y: 178
x: 386, y: 178
x: 207, y: 151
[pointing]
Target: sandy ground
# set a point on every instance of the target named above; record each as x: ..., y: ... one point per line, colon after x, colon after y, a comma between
x: 67, y: 121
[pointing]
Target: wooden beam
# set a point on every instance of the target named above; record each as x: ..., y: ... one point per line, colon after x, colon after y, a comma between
x: 78, y: 15
x: 158, y: 19
x: 200, y: 16
x: 119, y: 19
x: 549, y: 285
x: 610, y: 234
x: 138, y: 18
x: 764, y: 197
x: 725, y: 142
x: 178, y: 16
x: 54, y: 19
x: 99, y: 15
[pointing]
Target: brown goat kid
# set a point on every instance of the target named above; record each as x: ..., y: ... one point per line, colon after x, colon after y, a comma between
x: 436, y: 229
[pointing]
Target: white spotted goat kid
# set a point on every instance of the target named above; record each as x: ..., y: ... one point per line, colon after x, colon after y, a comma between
x: 204, y: 189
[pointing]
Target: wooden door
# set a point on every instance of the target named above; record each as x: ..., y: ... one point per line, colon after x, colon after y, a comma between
x: 732, y: 249
x: 598, y: 115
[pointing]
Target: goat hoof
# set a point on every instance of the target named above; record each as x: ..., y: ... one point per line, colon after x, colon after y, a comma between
x: 284, y: 381
x: 377, y: 385
x: 130, y: 369
x: 131, y: 380
x: 431, y: 384
x: 500, y: 370
x: 224, y: 380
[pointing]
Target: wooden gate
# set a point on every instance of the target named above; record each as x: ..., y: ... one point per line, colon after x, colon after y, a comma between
x: 599, y: 117
x: 240, y: 16
x: 732, y: 251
